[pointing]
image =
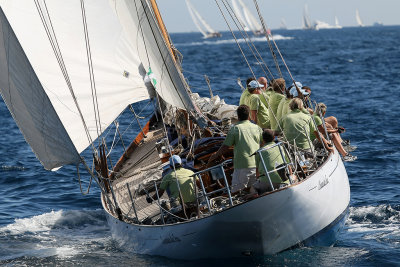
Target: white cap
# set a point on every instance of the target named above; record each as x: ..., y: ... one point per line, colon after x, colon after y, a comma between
x: 255, y: 84
x: 293, y: 90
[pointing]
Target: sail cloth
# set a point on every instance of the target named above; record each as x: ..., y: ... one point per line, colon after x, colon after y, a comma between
x: 142, y: 31
x: 118, y: 74
x: 23, y: 94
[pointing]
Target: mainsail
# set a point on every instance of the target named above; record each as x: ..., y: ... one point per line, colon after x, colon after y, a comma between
x: 62, y: 86
x: 198, y: 20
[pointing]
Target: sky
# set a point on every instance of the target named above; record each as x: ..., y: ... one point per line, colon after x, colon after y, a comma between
x: 177, y: 18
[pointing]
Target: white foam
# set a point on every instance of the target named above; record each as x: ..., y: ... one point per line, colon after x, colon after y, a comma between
x: 59, y: 233
x: 232, y: 41
x: 375, y: 223
x: 36, y: 224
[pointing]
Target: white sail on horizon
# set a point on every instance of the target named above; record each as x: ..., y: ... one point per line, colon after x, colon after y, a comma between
x: 358, y: 19
x: 252, y: 22
x: 239, y: 16
x: 199, y: 21
x: 306, y: 18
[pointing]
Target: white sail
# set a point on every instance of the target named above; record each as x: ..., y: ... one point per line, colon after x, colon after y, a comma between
x: 283, y: 25
x: 29, y: 104
x: 306, y: 18
x: 143, y: 33
x: 114, y: 89
x: 358, y: 18
x: 199, y: 21
x: 252, y: 22
x: 120, y: 63
x: 239, y: 16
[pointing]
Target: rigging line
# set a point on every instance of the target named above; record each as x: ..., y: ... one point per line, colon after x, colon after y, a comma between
x: 58, y: 55
x: 234, y: 36
x: 247, y: 37
x: 91, y: 71
x: 169, y: 147
x: 267, y: 35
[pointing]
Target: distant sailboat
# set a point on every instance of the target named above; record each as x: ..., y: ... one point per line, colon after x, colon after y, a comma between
x: 200, y: 23
x: 359, y: 21
x: 283, y: 25
x: 252, y: 22
x: 306, y: 19
x: 239, y: 16
x: 337, y: 25
x: 318, y: 25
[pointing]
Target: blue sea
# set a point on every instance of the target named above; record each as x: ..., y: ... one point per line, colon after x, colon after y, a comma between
x: 45, y: 220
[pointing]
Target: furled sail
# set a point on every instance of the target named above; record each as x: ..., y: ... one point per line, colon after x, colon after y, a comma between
x: 117, y: 69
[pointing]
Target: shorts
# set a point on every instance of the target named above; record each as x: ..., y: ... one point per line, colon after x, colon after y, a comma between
x: 243, y: 178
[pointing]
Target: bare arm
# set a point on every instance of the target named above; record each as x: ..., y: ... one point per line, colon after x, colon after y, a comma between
x: 254, y: 116
x: 221, y: 151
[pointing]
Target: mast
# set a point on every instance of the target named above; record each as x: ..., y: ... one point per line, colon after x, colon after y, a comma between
x: 162, y: 27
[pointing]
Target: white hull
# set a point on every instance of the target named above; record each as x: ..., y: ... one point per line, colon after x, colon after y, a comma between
x: 266, y: 225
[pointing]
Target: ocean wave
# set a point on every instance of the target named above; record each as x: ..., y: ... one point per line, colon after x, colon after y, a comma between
x: 232, y: 41
x: 12, y: 168
x: 375, y: 224
x: 60, y: 234
x: 56, y: 220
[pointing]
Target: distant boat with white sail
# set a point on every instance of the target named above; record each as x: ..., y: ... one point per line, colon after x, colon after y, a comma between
x: 283, y: 25
x: 319, y: 25
x: 358, y: 19
x: 306, y: 19
x: 200, y: 23
x: 246, y: 18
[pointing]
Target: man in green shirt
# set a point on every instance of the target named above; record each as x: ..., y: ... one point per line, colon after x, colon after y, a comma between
x: 246, y: 94
x: 169, y: 183
x: 279, y: 87
x: 297, y: 127
x: 245, y: 137
x: 272, y: 158
x: 258, y: 110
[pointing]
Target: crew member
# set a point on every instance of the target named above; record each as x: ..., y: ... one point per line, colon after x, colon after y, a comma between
x: 169, y: 184
x: 259, y: 112
x: 245, y: 137
x: 298, y: 126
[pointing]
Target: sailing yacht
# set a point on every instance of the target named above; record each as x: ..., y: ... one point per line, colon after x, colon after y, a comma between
x: 69, y: 68
x: 283, y: 25
x: 358, y: 19
x: 252, y: 22
x: 306, y: 19
x: 200, y: 23
x: 319, y: 25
